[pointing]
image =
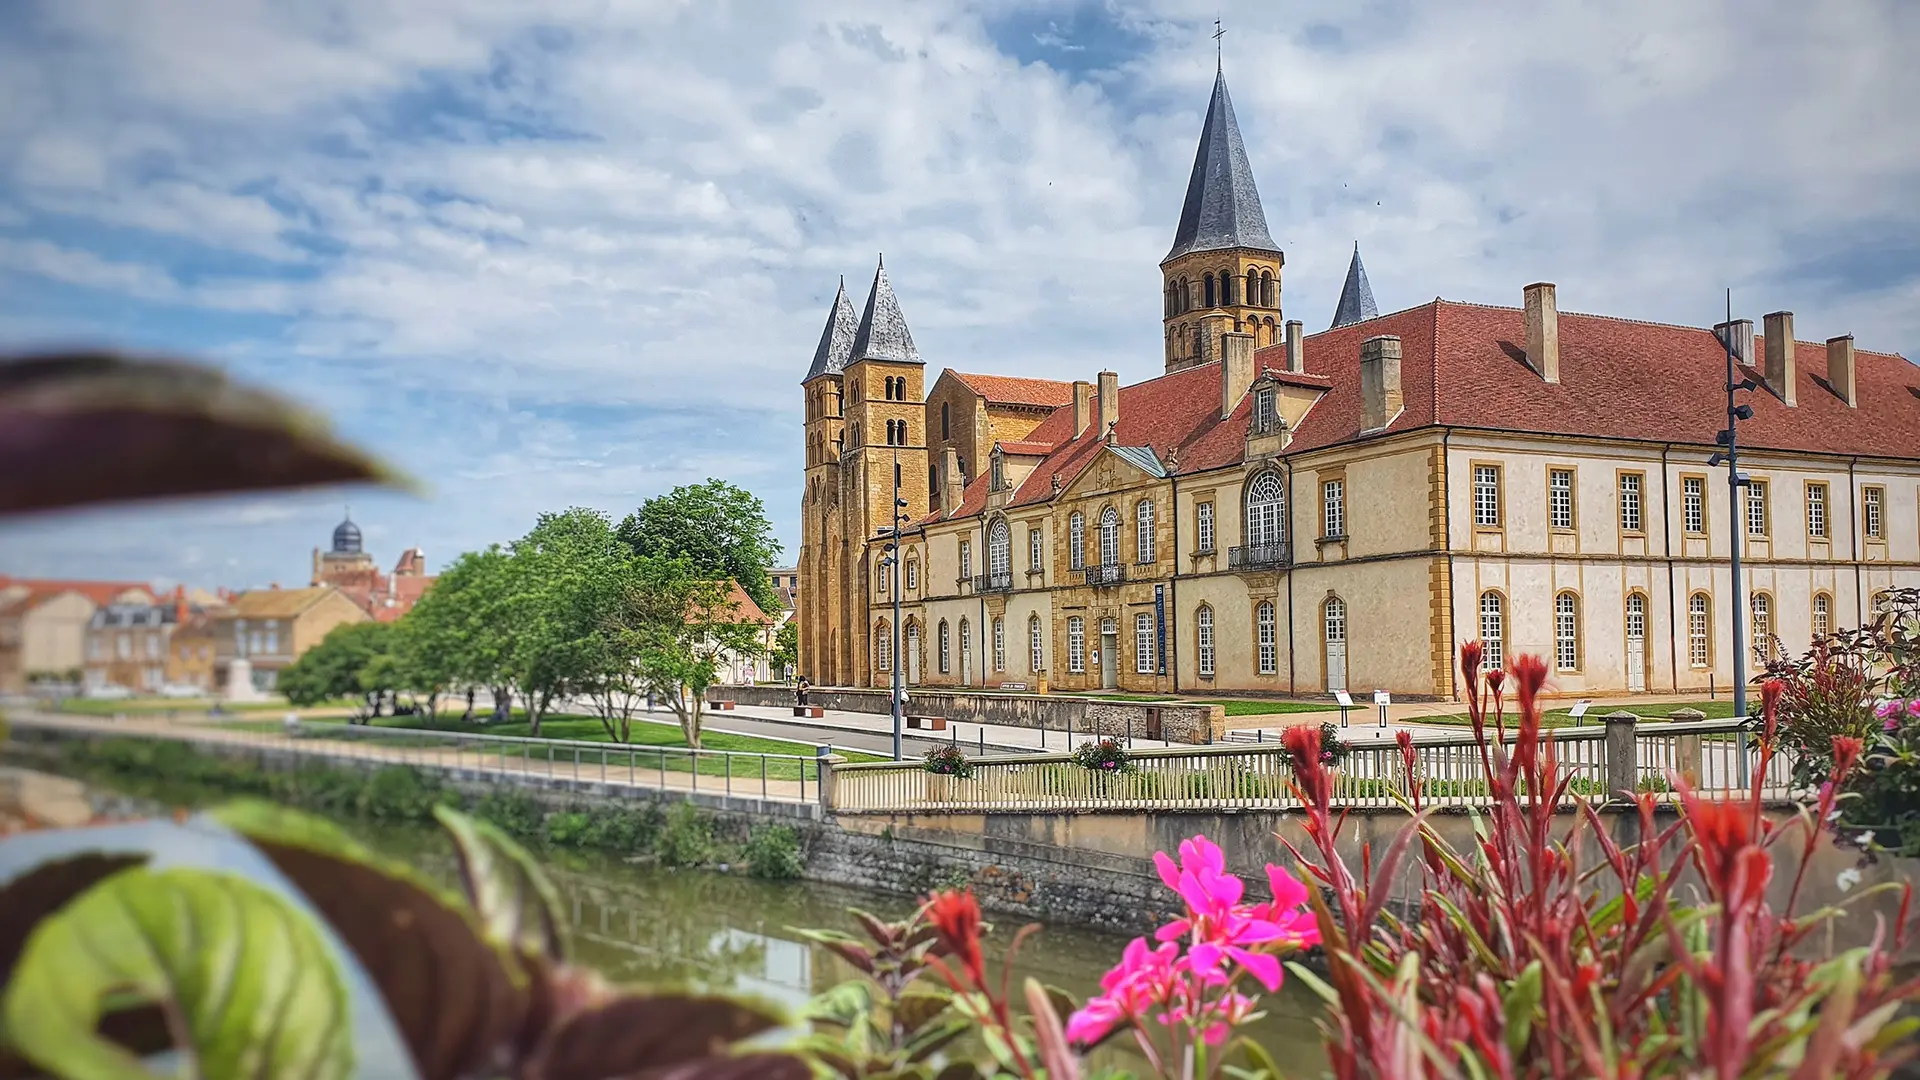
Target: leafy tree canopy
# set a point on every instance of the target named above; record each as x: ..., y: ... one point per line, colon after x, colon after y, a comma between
x: 351, y: 661
x: 719, y: 529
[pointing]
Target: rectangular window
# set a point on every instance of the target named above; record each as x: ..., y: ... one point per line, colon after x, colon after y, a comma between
x: 1076, y: 644
x: 1263, y: 411
x: 999, y: 644
x: 883, y: 649
x: 1076, y: 541
x: 1693, y: 504
x: 1566, y: 632
x: 1269, y: 647
x: 1203, y: 638
x: 1333, y: 508
x: 1817, y: 511
x: 1757, y: 508
x: 1143, y: 644
x: 1143, y: 531
x: 1699, y: 626
x: 1203, y: 527
x: 1036, y: 548
x: 153, y: 646
x: 122, y: 646
x: 1560, y: 498
x: 1486, y: 496
x: 1630, y: 502
x: 966, y: 560
x: 1036, y: 647
x: 1872, y: 512
x: 946, y: 649
x: 913, y: 575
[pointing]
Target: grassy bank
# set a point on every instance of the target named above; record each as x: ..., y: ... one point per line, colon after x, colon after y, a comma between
x: 148, y: 706
x: 1648, y: 712
x: 682, y: 835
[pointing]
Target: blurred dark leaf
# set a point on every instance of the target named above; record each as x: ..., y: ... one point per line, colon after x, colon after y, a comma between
x: 505, y: 886
x: 650, y: 1032
x: 84, y: 428
x: 43, y: 890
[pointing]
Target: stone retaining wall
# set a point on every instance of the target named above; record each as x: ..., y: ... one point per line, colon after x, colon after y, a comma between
x: 1182, y: 722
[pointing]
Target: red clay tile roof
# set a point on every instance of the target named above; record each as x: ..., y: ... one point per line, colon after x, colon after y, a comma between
x: 744, y: 609
x: 1462, y: 365
x: 100, y: 592
x: 1013, y: 390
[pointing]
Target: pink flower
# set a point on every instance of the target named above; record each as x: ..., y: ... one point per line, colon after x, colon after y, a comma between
x: 1144, y: 980
x: 1913, y: 707
x: 1890, y: 709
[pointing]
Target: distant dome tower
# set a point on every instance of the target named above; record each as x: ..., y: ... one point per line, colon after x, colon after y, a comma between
x: 346, y: 564
x: 346, y: 537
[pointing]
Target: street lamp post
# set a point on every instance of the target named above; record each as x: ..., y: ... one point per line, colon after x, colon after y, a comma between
x: 1735, y: 481
x: 891, y: 563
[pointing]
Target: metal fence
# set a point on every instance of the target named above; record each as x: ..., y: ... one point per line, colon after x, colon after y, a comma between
x: 1368, y: 775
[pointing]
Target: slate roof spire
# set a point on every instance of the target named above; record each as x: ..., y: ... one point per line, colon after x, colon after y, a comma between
x: 1223, y: 207
x: 836, y: 341
x: 883, y: 329
x: 1356, y: 296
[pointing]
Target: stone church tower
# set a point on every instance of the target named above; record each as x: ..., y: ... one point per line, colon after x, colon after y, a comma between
x: 1223, y: 274
x: 865, y: 428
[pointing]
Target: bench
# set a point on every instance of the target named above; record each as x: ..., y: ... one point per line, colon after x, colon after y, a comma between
x: 812, y: 712
x: 724, y: 706
x: 931, y: 723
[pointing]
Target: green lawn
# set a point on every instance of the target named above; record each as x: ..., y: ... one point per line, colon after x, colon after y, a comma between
x: 639, y: 755
x: 146, y: 706
x: 1559, y: 717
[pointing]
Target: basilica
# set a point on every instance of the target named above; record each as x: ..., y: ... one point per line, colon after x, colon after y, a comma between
x: 1289, y: 513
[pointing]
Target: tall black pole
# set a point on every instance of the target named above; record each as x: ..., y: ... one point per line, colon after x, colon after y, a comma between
x: 1735, y: 523
x: 899, y: 661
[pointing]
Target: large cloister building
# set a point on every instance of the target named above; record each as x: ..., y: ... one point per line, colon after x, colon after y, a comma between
x: 1288, y: 513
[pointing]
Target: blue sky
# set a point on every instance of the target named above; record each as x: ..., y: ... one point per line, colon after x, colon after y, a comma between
x: 579, y: 251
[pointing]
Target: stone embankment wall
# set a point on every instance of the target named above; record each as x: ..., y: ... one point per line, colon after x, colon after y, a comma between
x: 1182, y: 722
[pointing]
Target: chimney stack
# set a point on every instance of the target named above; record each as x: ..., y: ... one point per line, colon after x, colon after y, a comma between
x: 1082, y: 407
x: 1236, y: 371
x: 953, y: 486
x: 1841, y: 371
x: 1779, y: 370
x: 1296, y: 347
x: 1737, y: 335
x: 180, y: 605
x: 1380, y: 398
x: 1543, y: 331
x: 1109, y: 403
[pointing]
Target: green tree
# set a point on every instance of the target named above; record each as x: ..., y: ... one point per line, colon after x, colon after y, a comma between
x: 786, y: 648
x: 719, y: 529
x: 351, y: 661
x: 458, y: 635
x: 559, y: 600
x: 683, y: 623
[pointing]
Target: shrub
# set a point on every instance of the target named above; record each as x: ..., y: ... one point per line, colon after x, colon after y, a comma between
x: 947, y: 759
x: 1103, y: 756
x: 568, y: 829
x: 399, y: 793
x: 514, y: 812
x: 685, y: 838
x: 773, y: 851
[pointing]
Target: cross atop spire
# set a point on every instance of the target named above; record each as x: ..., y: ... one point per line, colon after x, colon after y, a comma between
x: 1219, y: 60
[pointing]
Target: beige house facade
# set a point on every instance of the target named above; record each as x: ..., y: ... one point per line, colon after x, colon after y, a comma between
x: 270, y: 629
x: 43, y: 627
x: 1292, y: 514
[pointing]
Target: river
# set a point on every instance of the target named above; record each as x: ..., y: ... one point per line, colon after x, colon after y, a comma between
x: 705, y: 930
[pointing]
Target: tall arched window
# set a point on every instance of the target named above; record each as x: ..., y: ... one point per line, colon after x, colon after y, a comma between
x: 1253, y: 287
x: 1268, y: 298
x: 1076, y: 540
x: 1761, y: 605
x: 1566, y: 632
x: 944, y: 642
x: 1699, y: 630
x: 1637, y: 616
x: 1208, y: 290
x: 1143, y: 514
x: 1493, y: 631
x: 1226, y: 289
x: 999, y: 553
x: 1110, y: 537
x: 999, y: 643
x: 1196, y: 341
x: 1036, y: 646
x: 1203, y: 639
x: 1076, y: 644
x: 946, y: 420
x: 912, y: 649
x: 1822, y: 615
x: 882, y: 646
x: 1267, y: 644
x: 1266, y: 511
x: 966, y: 649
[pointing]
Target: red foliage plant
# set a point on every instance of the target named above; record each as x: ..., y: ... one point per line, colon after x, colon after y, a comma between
x: 1526, y: 961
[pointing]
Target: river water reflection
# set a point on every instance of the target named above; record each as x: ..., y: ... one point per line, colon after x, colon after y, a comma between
x: 716, y: 931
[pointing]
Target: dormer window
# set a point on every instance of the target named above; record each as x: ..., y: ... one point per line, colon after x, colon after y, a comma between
x: 1265, y: 415
x: 999, y: 471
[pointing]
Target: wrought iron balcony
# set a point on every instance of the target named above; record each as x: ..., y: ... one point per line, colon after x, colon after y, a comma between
x: 1001, y: 582
x: 1106, y: 574
x: 1261, y: 556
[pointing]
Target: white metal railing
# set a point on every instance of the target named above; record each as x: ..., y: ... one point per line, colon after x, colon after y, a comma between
x: 784, y: 777
x: 1243, y: 775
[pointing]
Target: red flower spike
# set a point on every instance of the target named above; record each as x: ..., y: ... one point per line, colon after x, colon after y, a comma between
x: 1303, y: 746
x: 956, y: 915
x: 1846, y: 754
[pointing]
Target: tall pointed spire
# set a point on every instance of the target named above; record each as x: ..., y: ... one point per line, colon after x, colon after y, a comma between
x: 836, y: 341
x: 1356, y: 296
x: 883, y: 329
x: 1223, y: 207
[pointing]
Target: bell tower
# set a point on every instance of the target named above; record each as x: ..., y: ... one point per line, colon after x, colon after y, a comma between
x: 821, y: 532
x: 1223, y: 273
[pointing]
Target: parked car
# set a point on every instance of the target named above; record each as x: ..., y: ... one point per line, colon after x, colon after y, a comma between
x: 181, y: 690
x: 109, y: 693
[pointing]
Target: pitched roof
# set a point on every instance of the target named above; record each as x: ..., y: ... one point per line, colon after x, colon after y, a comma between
x: 1026, y: 447
x: 100, y: 592
x: 1016, y: 390
x: 836, y: 338
x: 744, y: 608
x: 882, y: 334
x: 1356, y: 296
x: 1223, y: 207
x: 1463, y: 365
x: 277, y: 603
